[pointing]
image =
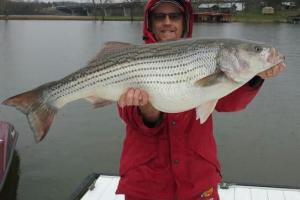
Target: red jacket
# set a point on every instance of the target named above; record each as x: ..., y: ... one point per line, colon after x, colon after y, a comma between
x: 177, y: 158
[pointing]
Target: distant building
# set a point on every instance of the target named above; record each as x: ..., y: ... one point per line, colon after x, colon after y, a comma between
x: 222, y: 7
x: 124, y: 9
x: 268, y: 10
x: 288, y: 5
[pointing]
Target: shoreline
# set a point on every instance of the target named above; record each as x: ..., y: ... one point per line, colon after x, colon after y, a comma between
x: 238, y: 18
x: 67, y: 17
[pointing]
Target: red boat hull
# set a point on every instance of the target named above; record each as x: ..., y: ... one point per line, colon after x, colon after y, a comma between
x: 8, y: 140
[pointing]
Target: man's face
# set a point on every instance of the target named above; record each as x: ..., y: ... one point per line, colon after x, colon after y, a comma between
x: 167, y: 22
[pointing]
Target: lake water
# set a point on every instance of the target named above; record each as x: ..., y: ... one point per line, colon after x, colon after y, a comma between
x: 260, y: 145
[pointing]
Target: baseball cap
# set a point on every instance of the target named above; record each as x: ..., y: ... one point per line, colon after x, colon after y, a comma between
x: 177, y: 3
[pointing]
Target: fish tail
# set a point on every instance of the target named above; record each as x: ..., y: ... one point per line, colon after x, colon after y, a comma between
x: 40, y: 114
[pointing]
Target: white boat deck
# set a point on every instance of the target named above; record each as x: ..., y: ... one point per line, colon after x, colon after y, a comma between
x: 105, y: 187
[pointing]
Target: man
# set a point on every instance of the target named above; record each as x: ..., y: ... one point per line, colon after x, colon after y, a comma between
x: 172, y: 156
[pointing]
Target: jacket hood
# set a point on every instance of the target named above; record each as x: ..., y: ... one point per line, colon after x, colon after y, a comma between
x: 148, y: 36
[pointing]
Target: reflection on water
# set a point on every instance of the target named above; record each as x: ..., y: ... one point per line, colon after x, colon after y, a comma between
x: 83, y: 140
x: 9, y: 190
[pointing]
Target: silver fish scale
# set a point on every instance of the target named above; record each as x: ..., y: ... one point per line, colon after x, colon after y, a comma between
x: 142, y: 65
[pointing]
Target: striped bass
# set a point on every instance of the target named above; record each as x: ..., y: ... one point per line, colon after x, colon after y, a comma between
x: 178, y: 76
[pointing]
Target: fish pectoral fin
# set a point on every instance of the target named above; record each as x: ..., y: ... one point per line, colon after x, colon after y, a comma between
x: 210, y: 79
x: 204, y: 110
x: 98, y: 102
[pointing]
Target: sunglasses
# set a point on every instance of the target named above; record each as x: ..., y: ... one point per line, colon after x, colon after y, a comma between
x: 162, y: 16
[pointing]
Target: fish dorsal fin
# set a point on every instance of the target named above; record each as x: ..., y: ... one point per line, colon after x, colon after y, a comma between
x: 115, y: 46
x: 204, y: 110
x: 110, y: 48
x: 210, y: 79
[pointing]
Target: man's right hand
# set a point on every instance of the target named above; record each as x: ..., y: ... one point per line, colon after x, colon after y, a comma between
x: 140, y: 98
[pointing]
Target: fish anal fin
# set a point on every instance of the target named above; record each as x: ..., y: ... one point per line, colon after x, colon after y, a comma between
x: 210, y: 80
x: 98, y: 102
x: 204, y: 110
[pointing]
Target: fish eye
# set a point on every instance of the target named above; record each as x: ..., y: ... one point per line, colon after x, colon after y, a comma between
x: 258, y: 49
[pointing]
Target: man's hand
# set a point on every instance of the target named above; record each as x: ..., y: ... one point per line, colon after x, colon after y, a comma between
x: 134, y: 97
x: 272, y: 72
x: 138, y: 97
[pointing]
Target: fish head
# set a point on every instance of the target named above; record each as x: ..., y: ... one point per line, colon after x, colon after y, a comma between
x: 240, y: 61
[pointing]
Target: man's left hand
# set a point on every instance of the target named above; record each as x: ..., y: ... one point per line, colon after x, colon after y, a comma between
x: 272, y: 72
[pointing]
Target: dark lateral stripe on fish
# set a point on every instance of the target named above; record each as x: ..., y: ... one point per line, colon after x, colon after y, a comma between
x: 169, y: 58
x: 150, y: 54
x: 73, y: 82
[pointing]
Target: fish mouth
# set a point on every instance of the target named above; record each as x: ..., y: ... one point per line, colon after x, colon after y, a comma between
x: 275, y: 57
x: 281, y: 58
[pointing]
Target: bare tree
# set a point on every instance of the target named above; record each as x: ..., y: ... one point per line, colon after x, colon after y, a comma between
x: 132, y: 5
x: 2, y: 6
x: 101, y: 8
x: 94, y: 9
x: 98, y: 5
